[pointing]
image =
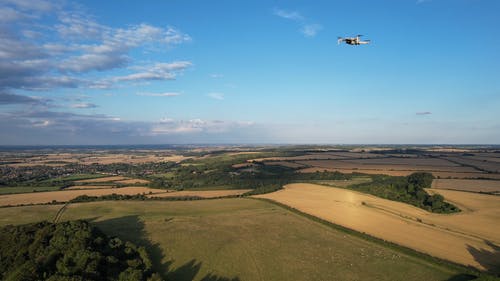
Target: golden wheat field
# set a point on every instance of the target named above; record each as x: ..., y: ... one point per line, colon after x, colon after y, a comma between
x: 463, y: 237
x: 66, y: 195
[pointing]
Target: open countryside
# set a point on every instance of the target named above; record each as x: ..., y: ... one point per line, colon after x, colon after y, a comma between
x: 277, y: 244
x: 456, y: 237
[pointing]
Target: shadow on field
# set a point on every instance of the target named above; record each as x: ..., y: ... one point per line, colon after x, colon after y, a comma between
x: 462, y: 277
x: 132, y: 228
x: 189, y: 270
x: 488, y: 259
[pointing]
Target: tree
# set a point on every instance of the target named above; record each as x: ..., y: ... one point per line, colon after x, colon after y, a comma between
x: 420, y: 180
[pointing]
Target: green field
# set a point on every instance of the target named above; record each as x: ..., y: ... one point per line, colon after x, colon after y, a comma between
x: 240, y: 239
x: 26, y: 189
x: 341, y: 183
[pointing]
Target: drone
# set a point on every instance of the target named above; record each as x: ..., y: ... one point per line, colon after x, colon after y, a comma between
x: 353, y: 40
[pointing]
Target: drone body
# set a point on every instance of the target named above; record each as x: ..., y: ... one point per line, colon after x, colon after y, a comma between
x: 353, y: 40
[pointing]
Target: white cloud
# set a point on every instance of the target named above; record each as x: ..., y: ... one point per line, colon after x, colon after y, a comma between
x: 310, y: 30
x: 83, y: 105
x: 33, y: 59
x: 291, y: 15
x: 306, y: 28
x: 158, y: 71
x: 192, y: 126
x: 216, y: 96
x: 171, y: 94
x: 31, y: 5
x: 216, y: 75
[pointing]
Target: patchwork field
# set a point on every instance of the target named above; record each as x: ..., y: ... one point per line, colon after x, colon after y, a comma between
x: 384, y: 165
x: 60, y: 159
x: 467, y: 185
x: 66, y: 195
x: 470, y: 237
x: 443, y: 175
x: 240, y: 239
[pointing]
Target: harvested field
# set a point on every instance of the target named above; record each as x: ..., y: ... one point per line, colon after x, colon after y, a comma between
x: 361, y: 171
x: 89, y: 187
x: 420, y: 161
x: 132, y: 181
x: 361, y: 165
x: 444, y: 175
x: 321, y: 156
x: 292, y: 165
x: 105, y: 179
x: 459, y: 237
x: 202, y: 193
x: 66, y: 195
x: 467, y: 185
x: 493, y: 167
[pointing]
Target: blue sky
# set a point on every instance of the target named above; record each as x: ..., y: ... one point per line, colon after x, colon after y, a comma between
x: 127, y: 72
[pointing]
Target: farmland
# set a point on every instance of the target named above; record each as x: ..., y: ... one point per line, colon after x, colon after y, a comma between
x: 243, y: 239
x: 66, y: 195
x: 485, y: 186
x: 139, y: 200
x: 450, y: 237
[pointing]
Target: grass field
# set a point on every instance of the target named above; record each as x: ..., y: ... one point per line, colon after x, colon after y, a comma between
x: 26, y: 189
x: 469, y: 237
x: 203, y: 193
x: 241, y: 239
x: 103, y: 179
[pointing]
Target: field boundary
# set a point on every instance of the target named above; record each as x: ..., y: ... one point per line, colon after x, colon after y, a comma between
x: 403, y: 249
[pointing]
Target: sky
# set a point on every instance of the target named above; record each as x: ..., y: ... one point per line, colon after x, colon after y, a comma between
x: 250, y: 72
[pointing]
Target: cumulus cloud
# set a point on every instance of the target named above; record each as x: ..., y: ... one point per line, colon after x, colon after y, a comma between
x: 216, y: 96
x: 33, y: 59
x: 171, y: 126
x: 54, y: 127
